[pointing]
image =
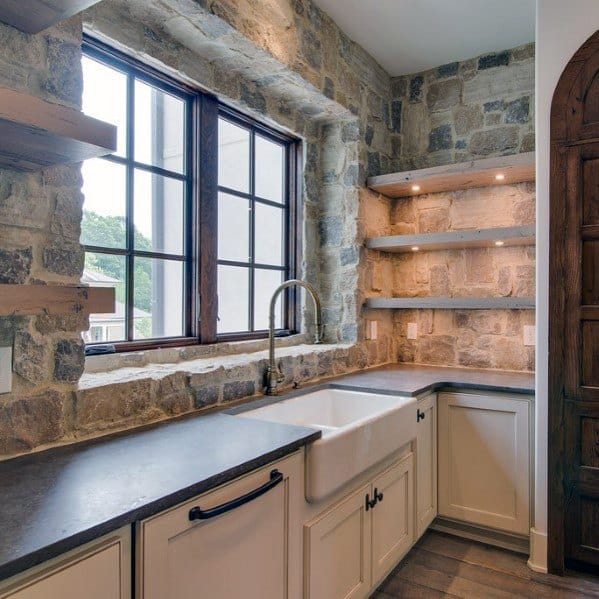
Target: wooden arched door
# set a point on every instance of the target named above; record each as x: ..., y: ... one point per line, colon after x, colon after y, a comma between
x: 574, y: 315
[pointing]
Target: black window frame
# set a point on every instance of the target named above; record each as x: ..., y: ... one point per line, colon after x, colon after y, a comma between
x: 201, y: 207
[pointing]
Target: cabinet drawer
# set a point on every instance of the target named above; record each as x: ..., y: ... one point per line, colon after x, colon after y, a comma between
x: 99, y: 570
x: 240, y: 553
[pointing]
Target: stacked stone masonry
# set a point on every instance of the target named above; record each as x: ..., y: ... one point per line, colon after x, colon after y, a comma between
x: 286, y: 62
x: 465, y: 110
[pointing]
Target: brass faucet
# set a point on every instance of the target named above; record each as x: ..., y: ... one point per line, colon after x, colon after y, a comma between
x: 273, y: 375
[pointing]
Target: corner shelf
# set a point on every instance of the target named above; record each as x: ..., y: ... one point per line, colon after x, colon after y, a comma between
x: 35, y: 134
x: 477, y: 173
x: 33, y: 16
x: 451, y: 303
x: 472, y: 238
x: 31, y: 300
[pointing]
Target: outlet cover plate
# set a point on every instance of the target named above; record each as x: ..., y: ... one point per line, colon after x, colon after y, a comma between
x: 5, y: 369
x: 530, y: 333
x: 412, y: 330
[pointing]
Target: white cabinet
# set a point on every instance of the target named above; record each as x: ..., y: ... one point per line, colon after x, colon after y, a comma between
x: 243, y: 551
x: 338, y: 550
x: 426, y: 464
x: 356, y: 543
x: 484, y: 460
x: 98, y: 570
x: 392, y: 517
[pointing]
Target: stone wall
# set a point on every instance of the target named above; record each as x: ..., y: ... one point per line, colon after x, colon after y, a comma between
x: 40, y: 215
x: 465, y: 110
x: 483, y: 339
x: 284, y: 61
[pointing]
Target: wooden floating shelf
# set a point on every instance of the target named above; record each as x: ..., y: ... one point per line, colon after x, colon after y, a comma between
x: 31, y: 300
x: 452, y: 303
x: 35, y: 134
x: 451, y: 177
x: 33, y: 16
x: 473, y: 238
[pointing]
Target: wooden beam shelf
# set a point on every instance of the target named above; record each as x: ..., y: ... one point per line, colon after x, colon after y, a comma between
x: 35, y: 134
x: 452, y: 303
x: 31, y: 300
x: 471, y: 238
x: 33, y: 16
x: 477, y: 173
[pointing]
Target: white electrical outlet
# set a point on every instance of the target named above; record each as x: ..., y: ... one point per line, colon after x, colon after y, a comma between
x: 530, y: 335
x: 412, y: 330
x: 5, y: 369
x: 371, y: 330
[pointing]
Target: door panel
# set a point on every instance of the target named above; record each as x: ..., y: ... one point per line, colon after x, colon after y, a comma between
x: 426, y: 465
x: 581, y: 345
x: 484, y: 460
x: 338, y: 551
x: 392, y: 517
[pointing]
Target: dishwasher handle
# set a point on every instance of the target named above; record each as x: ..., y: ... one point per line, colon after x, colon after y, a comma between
x: 196, y: 513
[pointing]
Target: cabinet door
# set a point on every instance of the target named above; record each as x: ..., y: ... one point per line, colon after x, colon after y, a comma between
x: 337, y: 546
x: 484, y: 460
x: 426, y: 464
x: 100, y: 570
x: 240, y: 553
x: 392, y: 517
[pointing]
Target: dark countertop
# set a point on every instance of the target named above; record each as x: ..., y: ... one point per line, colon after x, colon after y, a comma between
x: 56, y: 500
x: 413, y: 379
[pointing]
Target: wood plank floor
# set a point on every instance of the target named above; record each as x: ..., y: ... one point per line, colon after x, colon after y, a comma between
x: 441, y: 565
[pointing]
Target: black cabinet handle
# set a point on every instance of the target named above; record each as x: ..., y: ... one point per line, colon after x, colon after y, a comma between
x: 370, y: 503
x: 420, y: 416
x: 377, y: 495
x: 196, y: 513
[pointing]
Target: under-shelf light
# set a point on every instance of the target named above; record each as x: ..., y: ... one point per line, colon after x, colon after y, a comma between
x: 415, y: 188
x: 499, y: 177
x: 415, y: 248
x: 499, y: 243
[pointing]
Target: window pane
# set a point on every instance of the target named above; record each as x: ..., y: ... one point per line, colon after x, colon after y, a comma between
x: 265, y: 283
x: 233, y: 228
x: 233, y: 156
x: 233, y: 299
x: 158, y: 213
x: 104, y: 207
x: 105, y: 97
x: 104, y: 270
x: 158, y: 298
x: 159, y: 128
x: 270, y: 235
x: 270, y: 170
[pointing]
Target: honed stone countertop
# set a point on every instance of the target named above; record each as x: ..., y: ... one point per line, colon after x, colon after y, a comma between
x: 56, y: 500
x: 414, y: 379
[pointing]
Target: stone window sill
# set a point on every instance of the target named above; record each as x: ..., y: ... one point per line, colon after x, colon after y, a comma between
x: 175, y: 355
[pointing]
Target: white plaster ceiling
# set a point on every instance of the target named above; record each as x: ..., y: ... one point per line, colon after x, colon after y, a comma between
x: 408, y: 36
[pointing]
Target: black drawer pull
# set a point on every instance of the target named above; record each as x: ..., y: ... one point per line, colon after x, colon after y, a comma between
x: 420, y: 416
x: 196, y: 513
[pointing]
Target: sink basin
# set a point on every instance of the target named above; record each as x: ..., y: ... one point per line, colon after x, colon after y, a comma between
x: 358, y: 430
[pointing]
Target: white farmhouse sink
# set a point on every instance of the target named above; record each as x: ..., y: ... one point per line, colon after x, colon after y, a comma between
x: 358, y: 430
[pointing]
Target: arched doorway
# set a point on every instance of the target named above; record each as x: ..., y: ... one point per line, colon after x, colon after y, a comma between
x: 574, y: 316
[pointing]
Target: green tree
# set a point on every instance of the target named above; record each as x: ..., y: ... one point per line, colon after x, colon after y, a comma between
x: 110, y: 231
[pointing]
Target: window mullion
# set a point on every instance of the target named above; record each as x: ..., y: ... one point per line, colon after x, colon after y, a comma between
x: 252, y: 273
x: 130, y: 277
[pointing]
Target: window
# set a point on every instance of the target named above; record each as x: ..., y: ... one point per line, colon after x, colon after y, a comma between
x: 253, y: 220
x: 193, y: 245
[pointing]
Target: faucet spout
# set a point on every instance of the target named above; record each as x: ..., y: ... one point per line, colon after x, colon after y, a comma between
x: 273, y: 374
